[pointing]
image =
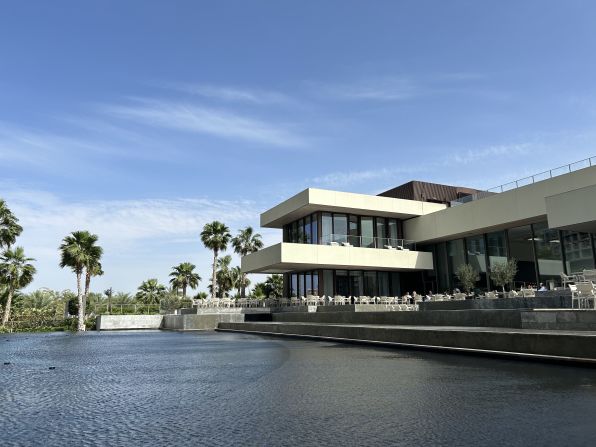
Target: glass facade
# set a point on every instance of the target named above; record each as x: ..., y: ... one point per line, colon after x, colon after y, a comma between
x: 542, y: 254
x: 359, y: 231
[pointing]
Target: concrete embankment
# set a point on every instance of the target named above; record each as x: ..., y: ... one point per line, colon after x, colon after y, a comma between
x: 526, y: 343
x: 187, y: 322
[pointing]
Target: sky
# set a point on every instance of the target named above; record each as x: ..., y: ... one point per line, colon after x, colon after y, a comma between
x: 140, y: 121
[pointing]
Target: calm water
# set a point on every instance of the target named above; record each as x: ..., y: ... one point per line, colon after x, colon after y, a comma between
x: 169, y: 388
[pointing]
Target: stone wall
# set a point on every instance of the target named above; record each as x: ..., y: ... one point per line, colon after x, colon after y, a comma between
x: 123, y: 322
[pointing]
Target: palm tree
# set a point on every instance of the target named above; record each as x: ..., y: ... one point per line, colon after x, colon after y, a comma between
x: 183, y: 275
x: 150, y: 291
x: 274, y: 286
x: 216, y: 237
x: 16, y: 272
x: 224, y: 276
x: 79, y: 252
x: 244, y: 243
x: 9, y: 227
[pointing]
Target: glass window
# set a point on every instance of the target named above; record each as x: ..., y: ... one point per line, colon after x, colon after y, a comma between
x: 315, y: 228
x: 342, y: 285
x: 315, y: 283
x: 547, y: 244
x: 578, y: 251
x: 307, y: 231
x: 354, y: 238
x: 496, y: 247
x: 370, y: 283
x: 294, y: 285
x: 301, y: 237
x: 395, y: 284
x: 381, y: 237
x: 300, y: 284
x: 383, y: 283
x: 520, y: 249
x: 326, y: 228
x: 476, y: 253
x: 308, y: 283
x: 340, y: 227
x: 367, y: 231
x: 455, y: 255
x: 355, y: 283
x: 442, y: 267
x: 392, y: 232
x: 294, y: 232
x: 328, y: 282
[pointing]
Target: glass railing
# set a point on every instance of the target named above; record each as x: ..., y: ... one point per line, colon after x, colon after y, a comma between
x: 387, y: 243
x: 566, y: 169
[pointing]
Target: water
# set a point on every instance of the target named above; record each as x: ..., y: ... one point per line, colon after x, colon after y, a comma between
x: 191, y: 389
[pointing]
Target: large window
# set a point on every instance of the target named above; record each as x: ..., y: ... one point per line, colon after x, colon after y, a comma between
x: 315, y: 228
x: 381, y: 237
x: 547, y: 244
x: 326, y: 228
x: 496, y: 247
x: 521, y: 249
x: 578, y: 251
x: 367, y: 229
x: 354, y: 238
x: 340, y: 228
x: 328, y: 282
x: 307, y: 230
x: 342, y: 283
x: 392, y: 232
x: 370, y: 283
x: 383, y: 283
x: 455, y: 255
x: 356, y: 283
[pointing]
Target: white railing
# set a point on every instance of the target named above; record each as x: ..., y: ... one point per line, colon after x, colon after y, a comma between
x: 565, y: 169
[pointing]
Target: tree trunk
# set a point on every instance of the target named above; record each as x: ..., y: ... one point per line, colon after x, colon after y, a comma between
x: 81, y: 317
x: 243, y: 290
x: 87, y: 286
x: 184, y: 291
x: 7, y: 309
x: 213, y: 279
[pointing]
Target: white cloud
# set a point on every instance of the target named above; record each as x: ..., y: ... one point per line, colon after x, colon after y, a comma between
x: 141, y: 238
x: 202, y: 120
x: 342, y: 179
x: 232, y: 94
x: 375, y: 89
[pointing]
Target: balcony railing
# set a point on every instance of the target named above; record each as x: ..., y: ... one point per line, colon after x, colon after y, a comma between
x: 566, y: 169
x: 387, y: 243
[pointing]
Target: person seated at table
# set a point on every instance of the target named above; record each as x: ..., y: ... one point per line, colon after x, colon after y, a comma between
x: 428, y: 296
x: 542, y: 288
x: 407, y: 298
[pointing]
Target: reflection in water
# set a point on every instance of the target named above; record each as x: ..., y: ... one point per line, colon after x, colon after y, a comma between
x: 170, y: 388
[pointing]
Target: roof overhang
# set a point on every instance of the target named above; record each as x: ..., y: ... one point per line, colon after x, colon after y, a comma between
x: 312, y: 200
x: 573, y: 210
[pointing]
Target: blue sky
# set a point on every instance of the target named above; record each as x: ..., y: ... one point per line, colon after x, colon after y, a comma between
x: 142, y: 120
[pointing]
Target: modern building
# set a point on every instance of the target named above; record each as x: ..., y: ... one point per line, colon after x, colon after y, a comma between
x: 415, y: 236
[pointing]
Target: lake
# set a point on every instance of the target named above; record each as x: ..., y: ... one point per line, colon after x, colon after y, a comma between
x: 221, y: 389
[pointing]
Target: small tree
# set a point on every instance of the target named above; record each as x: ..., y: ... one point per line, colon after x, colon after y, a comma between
x: 502, y: 273
x: 467, y: 276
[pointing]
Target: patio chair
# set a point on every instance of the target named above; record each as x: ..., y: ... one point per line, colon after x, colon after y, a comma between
x: 567, y: 279
x: 584, y: 291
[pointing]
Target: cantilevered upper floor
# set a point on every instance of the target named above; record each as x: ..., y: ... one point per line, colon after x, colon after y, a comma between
x: 321, y: 200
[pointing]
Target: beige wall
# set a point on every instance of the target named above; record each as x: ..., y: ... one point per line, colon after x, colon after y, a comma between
x: 573, y: 210
x: 285, y: 257
x: 515, y: 207
x: 312, y: 199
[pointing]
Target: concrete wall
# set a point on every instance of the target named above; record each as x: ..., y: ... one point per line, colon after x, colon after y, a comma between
x: 539, y: 302
x: 532, y: 344
x: 199, y: 322
x: 287, y: 257
x: 123, y: 322
x: 514, y: 207
x: 471, y: 318
x: 574, y: 210
x: 313, y: 199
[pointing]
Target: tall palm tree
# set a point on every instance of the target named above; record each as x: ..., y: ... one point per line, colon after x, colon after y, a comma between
x: 79, y: 252
x: 274, y: 286
x: 246, y: 242
x: 150, y: 291
x: 224, y: 275
x: 183, y: 276
x: 216, y: 237
x: 9, y: 227
x: 16, y: 272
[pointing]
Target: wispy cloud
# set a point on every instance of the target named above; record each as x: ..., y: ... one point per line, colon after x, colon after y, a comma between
x: 203, y: 120
x: 340, y: 179
x: 376, y: 89
x: 501, y: 151
x: 141, y: 238
x: 232, y: 94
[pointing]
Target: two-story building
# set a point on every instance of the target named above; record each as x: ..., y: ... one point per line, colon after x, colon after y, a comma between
x: 415, y: 236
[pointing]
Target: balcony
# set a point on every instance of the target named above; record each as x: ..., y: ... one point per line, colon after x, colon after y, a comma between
x: 339, y: 253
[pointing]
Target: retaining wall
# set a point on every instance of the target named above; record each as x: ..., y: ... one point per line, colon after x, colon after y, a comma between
x: 123, y: 322
x: 538, y: 302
